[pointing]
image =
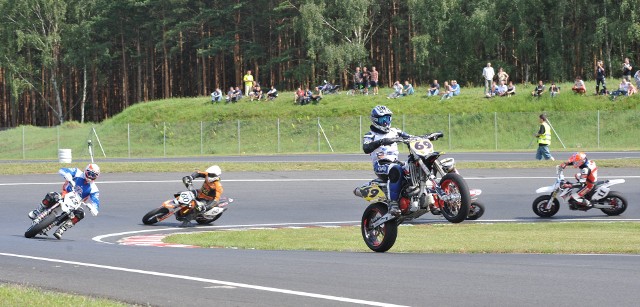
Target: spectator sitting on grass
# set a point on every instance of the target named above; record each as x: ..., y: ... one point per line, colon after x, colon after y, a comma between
x: 434, y: 89
x: 298, y: 96
x: 408, y: 88
x: 216, y: 96
x: 231, y: 95
x: 272, y: 93
x: 511, y: 89
x: 501, y: 90
x: 554, y: 90
x: 537, y: 92
x: 397, y: 90
x: 579, y: 87
x: 447, y: 93
x: 455, y: 87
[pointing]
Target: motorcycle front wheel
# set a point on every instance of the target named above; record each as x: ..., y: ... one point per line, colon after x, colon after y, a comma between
x: 539, y: 206
x: 378, y: 239
x: 618, y: 204
x: 37, y: 228
x: 456, y: 209
x: 154, y: 215
x: 476, y: 210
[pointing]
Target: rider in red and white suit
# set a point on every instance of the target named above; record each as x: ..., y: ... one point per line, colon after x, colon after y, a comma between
x: 586, y: 178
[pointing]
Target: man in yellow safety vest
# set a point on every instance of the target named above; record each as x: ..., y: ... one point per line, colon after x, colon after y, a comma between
x: 544, y: 139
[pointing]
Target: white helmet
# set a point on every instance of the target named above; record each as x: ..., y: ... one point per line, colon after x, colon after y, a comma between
x: 381, y: 118
x: 92, y: 171
x: 214, y: 172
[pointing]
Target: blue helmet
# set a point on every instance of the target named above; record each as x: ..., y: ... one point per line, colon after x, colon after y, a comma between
x: 381, y: 118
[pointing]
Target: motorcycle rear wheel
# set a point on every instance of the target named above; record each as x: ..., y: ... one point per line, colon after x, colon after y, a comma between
x: 455, y: 212
x: 204, y: 221
x: 542, y: 201
x: 616, y: 199
x: 37, y: 228
x: 154, y: 215
x: 476, y: 210
x: 381, y: 238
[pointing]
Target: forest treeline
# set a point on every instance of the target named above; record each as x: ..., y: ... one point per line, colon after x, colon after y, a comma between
x: 87, y: 60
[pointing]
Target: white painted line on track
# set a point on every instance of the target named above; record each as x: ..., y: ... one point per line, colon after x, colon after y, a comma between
x: 101, y: 237
x: 295, y: 180
x: 206, y: 280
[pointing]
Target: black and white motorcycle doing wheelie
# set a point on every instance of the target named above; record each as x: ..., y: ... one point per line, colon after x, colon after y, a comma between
x: 65, y: 209
x: 600, y: 197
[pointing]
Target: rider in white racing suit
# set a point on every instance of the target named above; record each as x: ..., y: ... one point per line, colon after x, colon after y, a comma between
x: 78, y: 180
x: 380, y: 143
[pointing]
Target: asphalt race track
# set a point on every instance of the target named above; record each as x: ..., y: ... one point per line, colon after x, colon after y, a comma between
x: 89, y: 259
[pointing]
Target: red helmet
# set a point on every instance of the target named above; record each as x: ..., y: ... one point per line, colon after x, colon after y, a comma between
x: 578, y: 159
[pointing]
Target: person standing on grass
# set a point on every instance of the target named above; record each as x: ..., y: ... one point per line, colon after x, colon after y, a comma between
x: 374, y: 80
x: 600, y: 79
x: 248, y: 82
x: 627, y: 69
x: 487, y: 74
x: 544, y: 139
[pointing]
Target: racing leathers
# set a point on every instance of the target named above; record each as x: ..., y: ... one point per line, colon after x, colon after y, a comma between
x: 383, y: 150
x: 587, y: 177
x: 210, y: 191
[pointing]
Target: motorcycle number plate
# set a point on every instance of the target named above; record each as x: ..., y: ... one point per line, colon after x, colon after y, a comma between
x: 185, y: 198
x: 372, y: 192
x: 422, y: 147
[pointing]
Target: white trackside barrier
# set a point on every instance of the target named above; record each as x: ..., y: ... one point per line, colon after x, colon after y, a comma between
x: 64, y: 155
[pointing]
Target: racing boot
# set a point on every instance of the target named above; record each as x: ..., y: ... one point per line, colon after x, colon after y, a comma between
x: 394, y: 209
x: 33, y: 214
x: 58, y: 234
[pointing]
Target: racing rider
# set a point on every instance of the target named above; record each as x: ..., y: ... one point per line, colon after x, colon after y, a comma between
x: 380, y: 143
x: 211, y: 189
x: 83, y: 183
x: 586, y: 178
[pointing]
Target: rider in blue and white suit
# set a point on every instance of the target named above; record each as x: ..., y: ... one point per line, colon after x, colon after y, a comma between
x: 80, y: 181
x: 380, y: 143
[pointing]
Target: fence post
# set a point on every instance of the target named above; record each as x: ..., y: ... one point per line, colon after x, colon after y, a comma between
x: 201, y: 149
x: 278, y: 128
x: 58, y: 135
x: 360, y: 135
x: 164, y: 138
x: 23, y: 153
x: 495, y: 127
x: 129, y: 140
x: 598, y: 128
x: 449, y: 131
x: 318, y: 129
x: 239, y: 137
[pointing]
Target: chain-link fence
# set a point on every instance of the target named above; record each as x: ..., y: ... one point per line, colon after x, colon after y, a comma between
x: 595, y: 130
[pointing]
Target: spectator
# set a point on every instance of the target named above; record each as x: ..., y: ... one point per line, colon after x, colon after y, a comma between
x: 627, y: 69
x: 231, y: 95
x: 623, y: 89
x: 579, y: 87
x: 397, y: 90
x: 600, y: 79
x: 434, y: 89
x: 511, y: 89
x: 256, y: 93
x: 501, y: 90
x: 374, y: 80
x: 315, y: 97
x: 544, y: 139
x: 299, y: 96
x: 632, y: 89
x: 366, y: 77
x: 357, y: 80
x: 487, y: 74
x: 502, y: 76
x: 537, y: 92
x: 455, y: 87
x: 447, y: 92
x: 272, y: 93
x: 554, y: 90
x: 238, y: 92
x: 216, y: 96
x: 637, y: 78
x: 248, y: 82
x: 408, y: 88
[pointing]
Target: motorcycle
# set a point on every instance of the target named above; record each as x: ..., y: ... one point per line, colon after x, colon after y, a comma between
x: 65, y: 209
x: 600, y: 197
x: 428, y: 186
x: 183, y: 206
x: 328, y: 88
x: 476, y: 208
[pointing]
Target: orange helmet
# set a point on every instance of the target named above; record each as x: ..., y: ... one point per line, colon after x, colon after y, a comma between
x: 578, y: 159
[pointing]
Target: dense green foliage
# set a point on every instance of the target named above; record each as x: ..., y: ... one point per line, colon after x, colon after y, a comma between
x: 90, y: 59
